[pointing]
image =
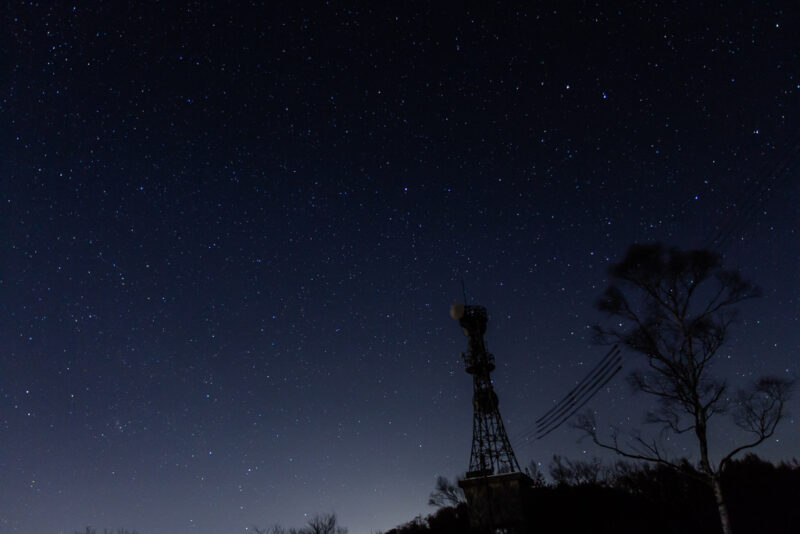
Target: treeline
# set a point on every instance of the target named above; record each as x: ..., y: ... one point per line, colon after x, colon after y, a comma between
x: 318, y: 524
x: 622, y: 498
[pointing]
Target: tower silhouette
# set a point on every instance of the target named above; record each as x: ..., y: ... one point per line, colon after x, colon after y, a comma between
x: 491, y: 450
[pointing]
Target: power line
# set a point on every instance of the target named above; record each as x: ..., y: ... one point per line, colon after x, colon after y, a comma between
x: 587, y: 392
x: 604, y: 362
x: 581, y: 405
x: 540, y: 431
x: 582, y: 392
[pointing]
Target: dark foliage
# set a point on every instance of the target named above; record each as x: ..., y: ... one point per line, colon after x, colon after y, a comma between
x: 764, y: 497
x: 629, y: 498
x: 446, y: 493
x: 566, y: 472
x: 448, y: 520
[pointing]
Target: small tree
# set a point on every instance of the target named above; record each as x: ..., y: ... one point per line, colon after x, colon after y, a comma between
x: 446, y: 493
x: 535, y: 473
x: 674, y: 308
x: 324, y: 524
x: 566, y: 472
x: 319, y: 524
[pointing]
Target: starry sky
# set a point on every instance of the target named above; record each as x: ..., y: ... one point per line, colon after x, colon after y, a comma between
x: 231, y: 236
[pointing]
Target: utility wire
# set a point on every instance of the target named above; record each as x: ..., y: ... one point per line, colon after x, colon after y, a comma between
x: 594, y: 387
x: 577, y: 391
x: 591, y: 389
x: 585, y: 389
x: 540, y: 431
x: 581, y: 405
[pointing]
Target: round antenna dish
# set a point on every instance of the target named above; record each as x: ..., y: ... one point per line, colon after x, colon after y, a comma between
x: 457, y: 311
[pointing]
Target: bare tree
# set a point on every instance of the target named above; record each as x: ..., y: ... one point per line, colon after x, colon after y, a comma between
x: 446, y: 493
x: 274, y: 529
x: 675, y: 308
x: 535, y: 474
x: 324, y: 524
x: 566, y: 472
x: 319, y: 524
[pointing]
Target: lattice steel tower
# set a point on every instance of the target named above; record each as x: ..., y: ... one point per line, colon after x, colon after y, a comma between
x: 491, y: 450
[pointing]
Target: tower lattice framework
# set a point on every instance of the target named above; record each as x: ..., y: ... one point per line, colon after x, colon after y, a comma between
x: 491, y: 449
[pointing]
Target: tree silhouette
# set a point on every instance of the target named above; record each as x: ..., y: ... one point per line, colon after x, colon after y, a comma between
x: 566, y: 472
x: 446, y: 493
x: 324, y: 524
x: 631, y: 498
x: 319, y: 524
x: 535, y: 474
x: 274, y: 529
x: 675, y: 309
x: 446, y: 520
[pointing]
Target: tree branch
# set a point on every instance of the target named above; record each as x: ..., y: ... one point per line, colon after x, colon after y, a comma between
x: 759, y: 412
x: 587, y: 424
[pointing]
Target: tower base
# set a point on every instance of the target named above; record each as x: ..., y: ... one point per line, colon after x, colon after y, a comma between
x: 496, y: 501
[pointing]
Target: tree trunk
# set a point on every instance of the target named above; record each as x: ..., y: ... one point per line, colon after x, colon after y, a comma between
x: 705, y: 466
x: 722, y: 507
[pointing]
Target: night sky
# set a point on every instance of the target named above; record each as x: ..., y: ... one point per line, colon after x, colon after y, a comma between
x: 231, y: 236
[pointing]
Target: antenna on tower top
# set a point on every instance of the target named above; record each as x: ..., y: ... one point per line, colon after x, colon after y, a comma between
x: 464, y: 291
